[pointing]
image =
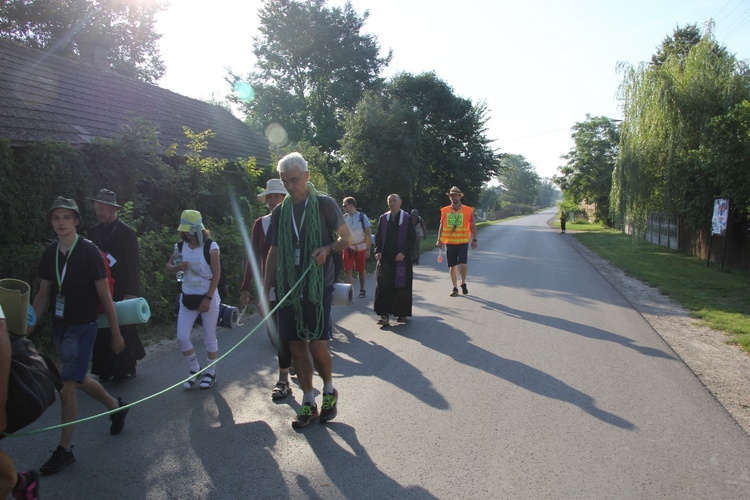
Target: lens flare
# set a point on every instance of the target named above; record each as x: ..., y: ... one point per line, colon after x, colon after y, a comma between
x: 276, y: 135
x: 244, y: 90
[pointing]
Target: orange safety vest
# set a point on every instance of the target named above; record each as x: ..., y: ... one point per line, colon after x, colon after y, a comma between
x: 456, y: 225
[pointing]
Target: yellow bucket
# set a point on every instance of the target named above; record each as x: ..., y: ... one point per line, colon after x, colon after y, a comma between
x: 14, y: 299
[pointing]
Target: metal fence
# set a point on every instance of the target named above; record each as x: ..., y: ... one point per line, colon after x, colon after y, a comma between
x: 663, y: 229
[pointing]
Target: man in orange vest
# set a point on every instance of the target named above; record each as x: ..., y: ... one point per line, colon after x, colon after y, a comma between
x: 457, y: 229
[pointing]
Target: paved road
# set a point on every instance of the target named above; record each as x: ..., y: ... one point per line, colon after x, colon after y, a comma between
x: 543, y: 382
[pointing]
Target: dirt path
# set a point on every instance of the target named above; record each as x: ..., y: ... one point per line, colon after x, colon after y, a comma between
x: 724, y: 369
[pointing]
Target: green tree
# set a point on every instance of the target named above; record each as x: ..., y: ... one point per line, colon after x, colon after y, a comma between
x: 726, y: 158
x: 313, y: 64
x: 381, y: 151
x: 454, y: 150
x: 123, y: 31
x: 520, y: 180
x: 669, y: 114
x: 588, y: 172
x: 417, y: 138
x: 548, y: 193
x: 678, y: 45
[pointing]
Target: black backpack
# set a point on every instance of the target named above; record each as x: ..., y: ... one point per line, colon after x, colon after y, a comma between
x: 222, y: 288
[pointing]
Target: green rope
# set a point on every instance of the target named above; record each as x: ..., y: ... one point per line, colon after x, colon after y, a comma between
x: 313, y: 285
x: 178, y: 384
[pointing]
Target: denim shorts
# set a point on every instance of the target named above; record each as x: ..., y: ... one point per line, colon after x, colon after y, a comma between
x: 288, y: 324
x: 75, y: 344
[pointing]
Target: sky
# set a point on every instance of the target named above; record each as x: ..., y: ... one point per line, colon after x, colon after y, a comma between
x: 540, y: 66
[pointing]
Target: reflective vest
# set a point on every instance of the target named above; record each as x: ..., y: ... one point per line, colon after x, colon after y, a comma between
x: 456, y: 225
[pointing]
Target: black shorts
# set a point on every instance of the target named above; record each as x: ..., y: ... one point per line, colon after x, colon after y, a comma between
x: 288, y: 323
x: 457, y: 254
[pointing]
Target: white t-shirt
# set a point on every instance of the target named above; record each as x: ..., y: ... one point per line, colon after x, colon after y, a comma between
x: 355, y: 226
x: 198, y: 275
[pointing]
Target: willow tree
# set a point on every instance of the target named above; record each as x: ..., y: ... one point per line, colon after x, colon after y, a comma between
x: 669, y: 109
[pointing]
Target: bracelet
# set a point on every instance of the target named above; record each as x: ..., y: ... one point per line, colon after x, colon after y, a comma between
x: 209, y: 297
x: 474, y: 240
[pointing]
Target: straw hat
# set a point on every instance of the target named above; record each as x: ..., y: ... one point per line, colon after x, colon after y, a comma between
x: 455, y: 190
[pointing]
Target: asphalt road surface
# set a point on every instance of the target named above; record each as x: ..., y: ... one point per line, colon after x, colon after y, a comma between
x: 543, y: 382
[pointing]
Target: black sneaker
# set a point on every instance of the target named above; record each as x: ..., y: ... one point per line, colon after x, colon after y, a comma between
x: 464, y: 290
x: 329, y: 411
x: 59, y: 460
x: 454, y: 293
x: 118, y: 419
x: 306, y: 414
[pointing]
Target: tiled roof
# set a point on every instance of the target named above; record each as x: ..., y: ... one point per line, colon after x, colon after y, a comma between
x: 60, y: 99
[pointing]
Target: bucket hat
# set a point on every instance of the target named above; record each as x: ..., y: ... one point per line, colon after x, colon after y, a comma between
x: 191, y: 222
x: 106, y: 197
x: 61, y: 202
x: 273, y: 186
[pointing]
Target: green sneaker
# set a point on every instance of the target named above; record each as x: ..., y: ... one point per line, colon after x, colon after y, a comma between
x: 329, y: 410
x: 306, y: 414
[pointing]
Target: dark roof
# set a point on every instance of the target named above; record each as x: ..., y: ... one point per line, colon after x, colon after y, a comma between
x: 43, y: 96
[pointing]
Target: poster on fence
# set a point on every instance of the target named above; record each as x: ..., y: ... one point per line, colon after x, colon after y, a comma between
x: 721, y: 214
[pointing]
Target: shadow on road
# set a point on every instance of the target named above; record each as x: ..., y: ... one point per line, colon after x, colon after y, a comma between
x: 572, y: 327
x: 446, y: 339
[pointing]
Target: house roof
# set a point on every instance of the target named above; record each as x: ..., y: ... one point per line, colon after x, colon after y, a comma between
x: 47, y: 97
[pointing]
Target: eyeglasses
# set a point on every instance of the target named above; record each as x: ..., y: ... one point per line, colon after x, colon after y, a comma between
x: 291, y: 182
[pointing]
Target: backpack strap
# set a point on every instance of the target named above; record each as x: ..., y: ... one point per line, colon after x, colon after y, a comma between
x: 207, y: 250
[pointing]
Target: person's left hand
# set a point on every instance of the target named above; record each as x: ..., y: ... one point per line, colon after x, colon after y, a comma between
x: 205, y: 305
x: 117, y: 343
x: 400, y: 257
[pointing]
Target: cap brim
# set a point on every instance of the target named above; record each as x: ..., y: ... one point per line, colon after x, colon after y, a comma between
x: 106, y: 202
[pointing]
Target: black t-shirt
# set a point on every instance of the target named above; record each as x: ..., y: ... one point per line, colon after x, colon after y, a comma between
x: 85, y: 266
x: 331, y: 220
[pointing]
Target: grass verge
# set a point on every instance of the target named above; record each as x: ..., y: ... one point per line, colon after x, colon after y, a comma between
x: 720, y: 299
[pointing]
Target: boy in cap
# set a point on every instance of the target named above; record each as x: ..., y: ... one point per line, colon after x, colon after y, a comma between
x: 73, y: 283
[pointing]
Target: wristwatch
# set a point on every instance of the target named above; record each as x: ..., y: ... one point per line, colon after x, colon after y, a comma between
x: 209, y: 297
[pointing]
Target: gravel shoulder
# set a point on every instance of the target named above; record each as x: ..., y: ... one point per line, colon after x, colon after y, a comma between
x: 723, y: 368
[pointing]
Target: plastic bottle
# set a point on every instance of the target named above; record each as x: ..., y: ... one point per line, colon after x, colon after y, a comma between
x: 177, y: 259
x: 440, y: 256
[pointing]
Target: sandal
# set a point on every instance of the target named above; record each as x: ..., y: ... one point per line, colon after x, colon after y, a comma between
x: 280, y: 391
x: 208, y: 381
x: 190, y: 383
x: 361, y: 294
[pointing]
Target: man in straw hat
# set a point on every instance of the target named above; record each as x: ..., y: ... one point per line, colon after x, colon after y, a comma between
x: 73, y: 283
x: 300, y: 261
x: 119, y: 242
x: 271, y: 196
x: 457, y: 229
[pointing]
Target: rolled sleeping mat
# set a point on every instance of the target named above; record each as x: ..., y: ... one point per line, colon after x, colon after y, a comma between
x: 129, y: 312
x: 342, y: 294
x: 14, y: 299
x: 229, y: 316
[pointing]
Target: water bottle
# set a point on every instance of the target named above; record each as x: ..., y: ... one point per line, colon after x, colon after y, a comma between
x: 177, y: 259
x: 440, y: 256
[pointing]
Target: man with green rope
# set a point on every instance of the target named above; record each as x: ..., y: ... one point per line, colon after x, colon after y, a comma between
x: 300, y: 265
